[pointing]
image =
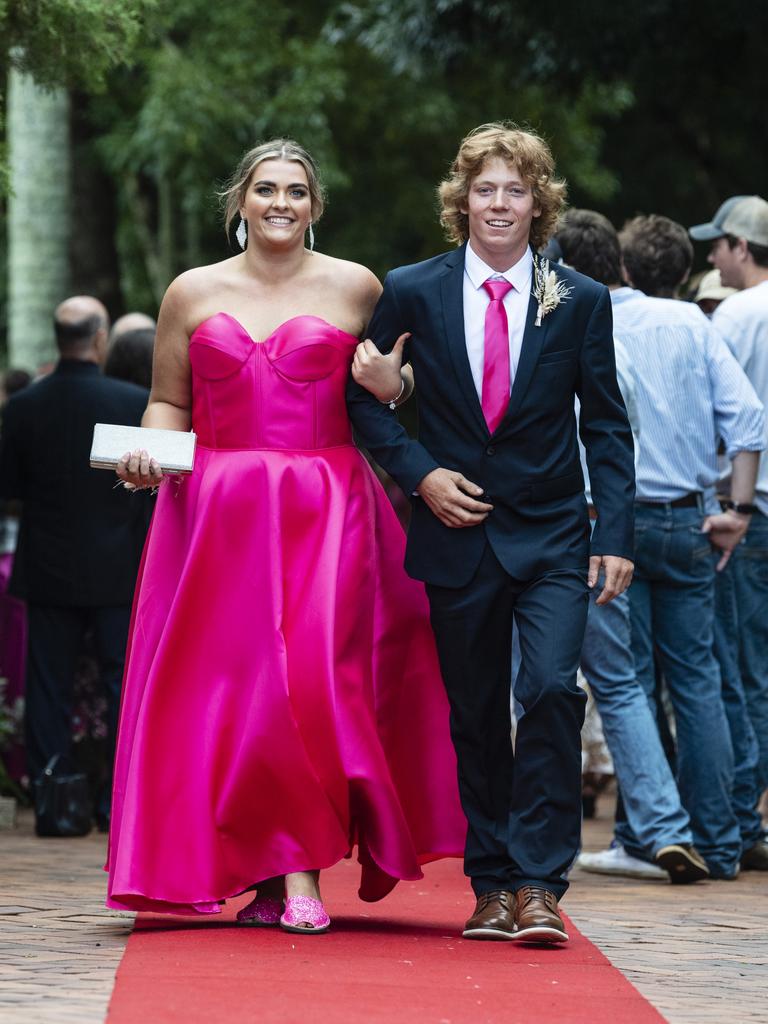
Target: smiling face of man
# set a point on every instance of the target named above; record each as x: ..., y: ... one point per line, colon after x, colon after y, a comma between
x: 500, y: 208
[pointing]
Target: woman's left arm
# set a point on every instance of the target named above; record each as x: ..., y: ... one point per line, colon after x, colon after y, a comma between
x: 383, y: 375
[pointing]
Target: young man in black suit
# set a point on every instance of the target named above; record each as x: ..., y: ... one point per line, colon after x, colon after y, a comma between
x: 80, y: 538
x: 500, y: 346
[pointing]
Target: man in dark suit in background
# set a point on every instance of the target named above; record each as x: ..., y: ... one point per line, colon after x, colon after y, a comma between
x: 500, y: 529
x: 80, y: 538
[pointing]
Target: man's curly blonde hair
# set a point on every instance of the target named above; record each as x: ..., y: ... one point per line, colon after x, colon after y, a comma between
x: 533, y: 159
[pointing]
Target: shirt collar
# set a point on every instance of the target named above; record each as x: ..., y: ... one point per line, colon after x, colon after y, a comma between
x: 478, y: 271
x: 619, y: 295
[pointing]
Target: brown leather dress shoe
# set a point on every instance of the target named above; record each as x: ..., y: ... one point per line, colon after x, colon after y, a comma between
x: 536, y: 917
x: 494, y: 917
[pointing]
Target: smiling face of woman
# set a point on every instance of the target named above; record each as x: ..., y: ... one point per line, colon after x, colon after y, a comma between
x: 277, y: 204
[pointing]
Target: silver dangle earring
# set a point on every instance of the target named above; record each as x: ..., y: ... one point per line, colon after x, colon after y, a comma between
x: 311, y: 238
x: 242, y: 233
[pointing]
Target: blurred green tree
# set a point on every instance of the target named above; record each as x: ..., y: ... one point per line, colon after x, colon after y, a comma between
x: 648, y: 107
x: 682, y: 120
x: 208, y: 82
x: 69, y: 41
x: 48, y: 46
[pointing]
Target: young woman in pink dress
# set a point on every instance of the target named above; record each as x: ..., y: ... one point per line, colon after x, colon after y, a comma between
x: 282, y: 699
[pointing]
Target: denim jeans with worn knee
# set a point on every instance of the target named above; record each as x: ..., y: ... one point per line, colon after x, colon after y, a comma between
x: 745, y: 749
x: 655, y: 815
x: 672, y: 603
x: 750, y: 570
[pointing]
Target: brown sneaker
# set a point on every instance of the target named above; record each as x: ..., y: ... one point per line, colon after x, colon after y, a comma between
x: 537, y: 918
x: 494, y: 917
x: 683, y: 863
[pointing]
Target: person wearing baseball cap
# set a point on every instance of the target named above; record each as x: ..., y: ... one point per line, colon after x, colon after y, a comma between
x: 739, y: 236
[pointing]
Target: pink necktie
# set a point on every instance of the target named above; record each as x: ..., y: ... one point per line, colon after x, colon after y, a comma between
x: 496, y: 373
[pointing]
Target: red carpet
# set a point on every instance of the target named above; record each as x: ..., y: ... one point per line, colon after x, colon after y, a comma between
x: 400, y: 961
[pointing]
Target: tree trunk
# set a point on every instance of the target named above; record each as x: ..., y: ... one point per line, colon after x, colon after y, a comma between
x: 38, y: 217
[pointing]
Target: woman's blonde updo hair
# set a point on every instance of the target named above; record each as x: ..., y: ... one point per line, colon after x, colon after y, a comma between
x: 533, y: 159
x: 233, y: 195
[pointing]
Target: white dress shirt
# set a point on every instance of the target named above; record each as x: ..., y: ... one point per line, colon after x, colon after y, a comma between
x: 742, y: 319
x: 476, y: 299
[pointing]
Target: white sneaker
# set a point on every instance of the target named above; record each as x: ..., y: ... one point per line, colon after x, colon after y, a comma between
x: 616, y: 861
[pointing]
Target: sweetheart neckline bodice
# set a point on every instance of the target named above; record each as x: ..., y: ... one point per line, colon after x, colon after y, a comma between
x: 286, y: 392
x: 275, y: 332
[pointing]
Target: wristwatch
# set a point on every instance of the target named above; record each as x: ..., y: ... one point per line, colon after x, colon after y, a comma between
x: 742, y: 507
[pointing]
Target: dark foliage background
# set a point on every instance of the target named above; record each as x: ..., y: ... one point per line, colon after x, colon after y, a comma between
x: 652, y: 107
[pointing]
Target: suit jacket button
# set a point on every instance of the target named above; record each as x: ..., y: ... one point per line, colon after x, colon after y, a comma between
x: 490, y: 450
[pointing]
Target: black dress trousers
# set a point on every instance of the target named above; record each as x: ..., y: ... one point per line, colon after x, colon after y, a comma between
x: 523, y: 806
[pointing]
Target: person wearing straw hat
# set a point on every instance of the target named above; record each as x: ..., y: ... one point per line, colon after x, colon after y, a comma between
x: 711, y: 292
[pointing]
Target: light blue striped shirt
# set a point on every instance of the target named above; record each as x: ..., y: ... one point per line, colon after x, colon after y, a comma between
x: 690, y: 391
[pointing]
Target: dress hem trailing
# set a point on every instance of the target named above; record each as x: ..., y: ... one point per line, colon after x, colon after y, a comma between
x: 142, y: 903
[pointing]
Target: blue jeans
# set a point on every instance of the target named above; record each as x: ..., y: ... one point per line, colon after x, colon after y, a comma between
x: 745, y: 750
x: 750, y: 565
x: 655, y: 815
x: 672, y: 601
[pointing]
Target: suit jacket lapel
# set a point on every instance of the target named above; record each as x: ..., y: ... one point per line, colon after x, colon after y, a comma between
x: 533, y: 339
x: 452, y: 294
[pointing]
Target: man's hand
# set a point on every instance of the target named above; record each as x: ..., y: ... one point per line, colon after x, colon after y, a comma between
x: 725, y: 531
x: 453, y: 498
x: 618, y: 575
x: 378, y: 373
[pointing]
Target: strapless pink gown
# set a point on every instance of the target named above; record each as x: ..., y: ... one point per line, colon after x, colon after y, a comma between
x: 282, y: 699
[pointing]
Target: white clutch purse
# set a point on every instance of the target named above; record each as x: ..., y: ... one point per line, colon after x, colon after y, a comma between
x: 173, y: 449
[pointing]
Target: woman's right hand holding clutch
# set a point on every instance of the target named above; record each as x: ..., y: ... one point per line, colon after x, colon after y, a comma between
x: 138, y: 470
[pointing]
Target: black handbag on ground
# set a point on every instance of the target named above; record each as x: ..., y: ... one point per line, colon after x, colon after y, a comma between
x: 62, y: 803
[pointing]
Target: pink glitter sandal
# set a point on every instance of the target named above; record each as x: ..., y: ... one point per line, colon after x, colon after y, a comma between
x: 261, y: 912
x: 304, y: 910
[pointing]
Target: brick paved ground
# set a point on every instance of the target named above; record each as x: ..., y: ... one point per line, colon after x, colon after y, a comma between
x: 59, y: 945
x: 700, y: 954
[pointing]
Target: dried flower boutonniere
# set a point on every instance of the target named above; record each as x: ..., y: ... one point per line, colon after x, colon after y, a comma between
x: 548, y: 290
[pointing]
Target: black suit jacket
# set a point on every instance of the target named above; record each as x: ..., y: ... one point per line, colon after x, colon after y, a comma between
x: 80, y: 539
x: 530, y: 467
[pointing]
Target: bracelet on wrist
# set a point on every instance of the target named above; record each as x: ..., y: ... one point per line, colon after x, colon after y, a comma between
x: 743, y: 508
x: 392, y: 402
